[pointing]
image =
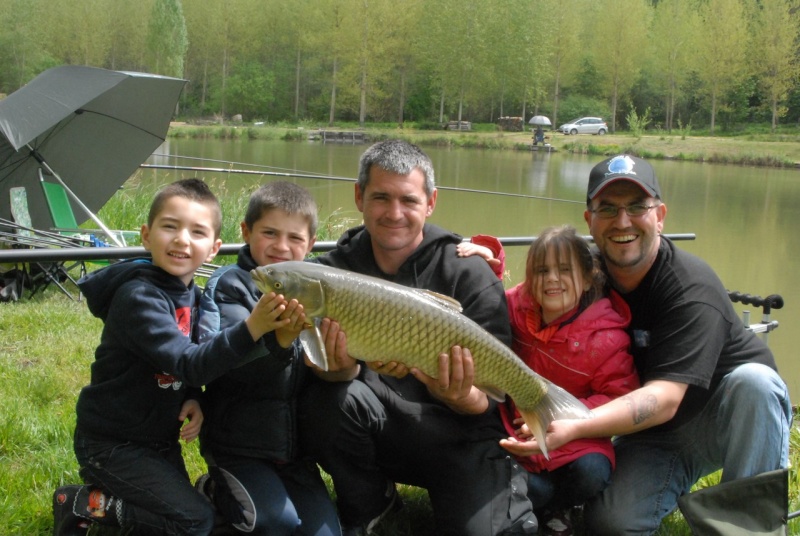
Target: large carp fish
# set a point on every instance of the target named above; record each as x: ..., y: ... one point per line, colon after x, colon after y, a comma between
x: 384, y: 321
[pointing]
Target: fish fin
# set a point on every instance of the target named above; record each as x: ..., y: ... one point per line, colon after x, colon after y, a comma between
x: 311, y: 340
x: 493, y: 392
x: 556, y: 404
x: 441, y: 299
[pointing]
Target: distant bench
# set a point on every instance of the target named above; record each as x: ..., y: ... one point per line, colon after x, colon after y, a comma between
x: 339, y: 136
x: 459, y: 125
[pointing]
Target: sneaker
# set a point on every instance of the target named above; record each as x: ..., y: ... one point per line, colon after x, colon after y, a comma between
x: 65, y: 521
x: 557, y: 523
x: 395, y: 504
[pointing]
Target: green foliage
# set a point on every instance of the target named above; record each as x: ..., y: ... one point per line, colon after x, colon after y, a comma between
x: 167, y: 41
x: 637, y: 124
x: 576, y: 106
x: 250, y: 91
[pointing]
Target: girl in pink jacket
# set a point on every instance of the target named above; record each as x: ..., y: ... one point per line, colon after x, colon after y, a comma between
x: 568, y: 329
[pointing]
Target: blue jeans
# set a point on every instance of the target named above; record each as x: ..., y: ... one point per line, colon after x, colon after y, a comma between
x: 281, y: 500
x: 152, y: 482
x: 570, y: 485
x: 743, y: 430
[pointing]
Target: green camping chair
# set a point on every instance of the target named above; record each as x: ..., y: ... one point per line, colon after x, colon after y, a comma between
x: 64, y: 218
x: 38, y: 275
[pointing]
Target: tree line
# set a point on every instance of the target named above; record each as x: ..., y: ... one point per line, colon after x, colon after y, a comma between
x: 679, y: 63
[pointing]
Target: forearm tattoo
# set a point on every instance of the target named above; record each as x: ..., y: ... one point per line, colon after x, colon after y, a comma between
x: 641, y: 409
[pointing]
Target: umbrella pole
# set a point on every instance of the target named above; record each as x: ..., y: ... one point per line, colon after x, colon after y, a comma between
x: 75, y: 198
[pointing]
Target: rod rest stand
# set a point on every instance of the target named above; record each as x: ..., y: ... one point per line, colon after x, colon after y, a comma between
x: 773, y: 301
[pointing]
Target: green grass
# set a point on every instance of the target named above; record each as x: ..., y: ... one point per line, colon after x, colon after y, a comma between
x: 46, y: 349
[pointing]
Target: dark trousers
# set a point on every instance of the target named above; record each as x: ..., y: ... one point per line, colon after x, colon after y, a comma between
x: 362, y: 438
x: 286, y: 499
x: 152, y: 482
x: 570, y: 485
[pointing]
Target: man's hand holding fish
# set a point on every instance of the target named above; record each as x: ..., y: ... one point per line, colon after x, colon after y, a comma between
x: 455, y: 383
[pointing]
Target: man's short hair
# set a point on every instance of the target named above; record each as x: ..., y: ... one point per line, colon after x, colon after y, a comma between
x: 396, y: 156
x: 286, y: 196
x: 193, y: 190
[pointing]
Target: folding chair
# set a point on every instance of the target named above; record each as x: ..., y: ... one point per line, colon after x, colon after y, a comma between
x: 38, y: 275
x: 64, y: 218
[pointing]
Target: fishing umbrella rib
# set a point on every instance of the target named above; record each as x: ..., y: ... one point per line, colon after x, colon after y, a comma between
x: 119, y: 121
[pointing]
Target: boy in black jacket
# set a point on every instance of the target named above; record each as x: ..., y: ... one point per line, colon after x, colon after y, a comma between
x: 249, y: 436
x: 130, y: 416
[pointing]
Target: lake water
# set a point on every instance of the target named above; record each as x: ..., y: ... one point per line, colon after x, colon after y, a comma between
x: 745, y: 219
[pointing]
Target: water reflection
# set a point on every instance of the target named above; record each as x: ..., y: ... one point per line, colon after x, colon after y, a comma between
x: 745, y: 219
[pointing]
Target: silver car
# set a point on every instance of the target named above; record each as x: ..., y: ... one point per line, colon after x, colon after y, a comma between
x: 585, y: 125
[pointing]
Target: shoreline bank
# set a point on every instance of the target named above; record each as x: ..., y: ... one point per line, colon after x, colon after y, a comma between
x: 781, y: 151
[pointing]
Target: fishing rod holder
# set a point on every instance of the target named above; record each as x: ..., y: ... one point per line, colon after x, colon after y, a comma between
x: 773, y: 301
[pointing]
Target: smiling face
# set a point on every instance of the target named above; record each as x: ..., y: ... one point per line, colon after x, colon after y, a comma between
x: 558, y: 283
x: 181, y: 237
x: 629, y: 245
x: 395, y: 208
x: 278, y: 236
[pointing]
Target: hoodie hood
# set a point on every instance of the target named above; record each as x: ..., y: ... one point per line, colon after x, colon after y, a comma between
x: 100, y: 286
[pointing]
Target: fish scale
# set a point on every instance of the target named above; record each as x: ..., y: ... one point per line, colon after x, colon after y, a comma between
x: 384, y: 321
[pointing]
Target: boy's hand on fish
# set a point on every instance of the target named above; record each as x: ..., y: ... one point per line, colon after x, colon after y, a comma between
x: 266, y: 315
x: 297, y: 321
x: 191, y: 410
x: 454, y: 385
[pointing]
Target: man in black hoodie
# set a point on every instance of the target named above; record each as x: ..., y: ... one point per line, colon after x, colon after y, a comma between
x: 383, y: 425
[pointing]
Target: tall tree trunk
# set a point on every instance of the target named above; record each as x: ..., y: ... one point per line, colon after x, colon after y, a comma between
x: 774, y: 113
x: 713, y: 109
x: 556, y: 89
x: 297, y: 85
x: 362, y: 112
x: 204, y: 86
x: 332, y: 113
x: 224, y: 81
x: 400, y: 117
x: 441, y: 108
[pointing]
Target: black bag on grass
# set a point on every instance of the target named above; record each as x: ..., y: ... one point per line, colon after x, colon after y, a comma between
x: 746, y: 506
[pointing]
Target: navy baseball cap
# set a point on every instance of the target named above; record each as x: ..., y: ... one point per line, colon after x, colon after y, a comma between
x: 623, y: 167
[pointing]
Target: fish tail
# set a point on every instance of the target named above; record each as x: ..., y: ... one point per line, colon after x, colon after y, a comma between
x: 556, y: 404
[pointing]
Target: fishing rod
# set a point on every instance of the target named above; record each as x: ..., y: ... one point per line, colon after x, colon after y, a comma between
x: 334, y: 178
x: 115, y: 253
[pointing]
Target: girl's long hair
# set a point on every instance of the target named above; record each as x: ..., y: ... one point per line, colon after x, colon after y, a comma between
x: 568, y: 245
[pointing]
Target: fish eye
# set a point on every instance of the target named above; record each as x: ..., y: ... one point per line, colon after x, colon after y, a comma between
x: 278, y: 285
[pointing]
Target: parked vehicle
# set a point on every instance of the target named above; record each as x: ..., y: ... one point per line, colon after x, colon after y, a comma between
x: 585, y: 125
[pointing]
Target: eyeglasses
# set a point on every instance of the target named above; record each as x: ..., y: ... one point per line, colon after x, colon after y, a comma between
x: 608, y: 212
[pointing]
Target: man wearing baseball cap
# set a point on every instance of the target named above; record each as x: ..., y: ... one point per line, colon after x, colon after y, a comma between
x: 711, y: 397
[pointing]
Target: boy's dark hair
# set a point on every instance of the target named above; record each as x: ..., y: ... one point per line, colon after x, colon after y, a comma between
x: 193, y: 190
x: 567, y: 243
x: 289, y: 197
